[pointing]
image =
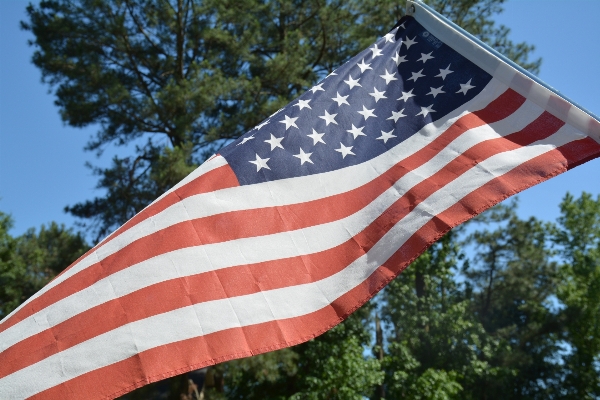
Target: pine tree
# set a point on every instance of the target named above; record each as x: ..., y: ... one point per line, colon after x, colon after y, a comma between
x: 578, y: 240
x: 436, y: 348
x: 513, y: 279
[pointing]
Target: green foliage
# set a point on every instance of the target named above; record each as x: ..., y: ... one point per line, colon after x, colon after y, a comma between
x: 266, y: 375
x: 578, y: 240
x: 333, y: 366
x: 514, y: 279
x: 133, y: 183
x: 339, y: 371
x: 437, y: 348
x: 182, y: 74
x: 520, y: 320
x: 29, y: 261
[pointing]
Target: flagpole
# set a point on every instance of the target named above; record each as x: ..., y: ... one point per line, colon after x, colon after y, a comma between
x: 414, y: 6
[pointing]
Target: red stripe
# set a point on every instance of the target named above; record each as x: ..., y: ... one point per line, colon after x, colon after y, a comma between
x: 186, y: 233
x: 237, y: 281
x: 179, y: 357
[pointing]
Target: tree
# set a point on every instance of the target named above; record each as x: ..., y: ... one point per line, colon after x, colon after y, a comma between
x: 578, y: 240
x: 437, y: 349
x: 514, y: 280
x: 29, y: 261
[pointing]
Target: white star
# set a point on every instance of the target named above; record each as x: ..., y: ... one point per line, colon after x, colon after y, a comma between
x: 415, y: 76
x: 407, y: 95
x: 367, y: 113
x: 388, y: 77
x: 389, y: 38
x: 425, y: 57
x: 351, y: 82
x: 289, y: 122
x: 244, y: 140
x: 260, y: 163
x: 465, y: 86
x: 363, y: 67
x: 275, y: 142
x: 316, y: 88
x: 340, y: 99
x: 402, y: 25
x: 356, y: 132
x: 302, y: 104
x: 345, y: 150
x: 396, y: 115
x: 386, y: 135
x: 329, y: 118
x: 409, y: 42
x: 444, y: 72
x: 304, y: 157
x: 434, y: 92
x: 377, y: 95
x: 399, y: 59
x: 316, y: 137
x: 425, y: 111
x: 376, y: 51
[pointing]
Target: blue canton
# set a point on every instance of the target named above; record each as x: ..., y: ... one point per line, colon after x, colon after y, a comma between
x: 372, y: 103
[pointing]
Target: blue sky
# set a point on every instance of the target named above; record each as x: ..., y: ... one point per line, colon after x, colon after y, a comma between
x: 42, y: 162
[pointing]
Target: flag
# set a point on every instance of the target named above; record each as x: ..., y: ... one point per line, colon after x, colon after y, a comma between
x: 300, y: 221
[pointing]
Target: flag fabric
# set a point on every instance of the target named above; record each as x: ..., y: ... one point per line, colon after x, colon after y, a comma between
x: 300, y: 221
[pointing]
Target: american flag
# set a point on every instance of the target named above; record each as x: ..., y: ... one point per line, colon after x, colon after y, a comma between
x: 298, y: 222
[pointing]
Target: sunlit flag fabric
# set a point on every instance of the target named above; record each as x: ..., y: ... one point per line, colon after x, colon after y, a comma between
x: 301, y: 220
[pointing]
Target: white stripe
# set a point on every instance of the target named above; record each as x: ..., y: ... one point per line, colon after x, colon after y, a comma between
x: 289, y: 302
x: 284, y: 191
x: 195, y: 260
